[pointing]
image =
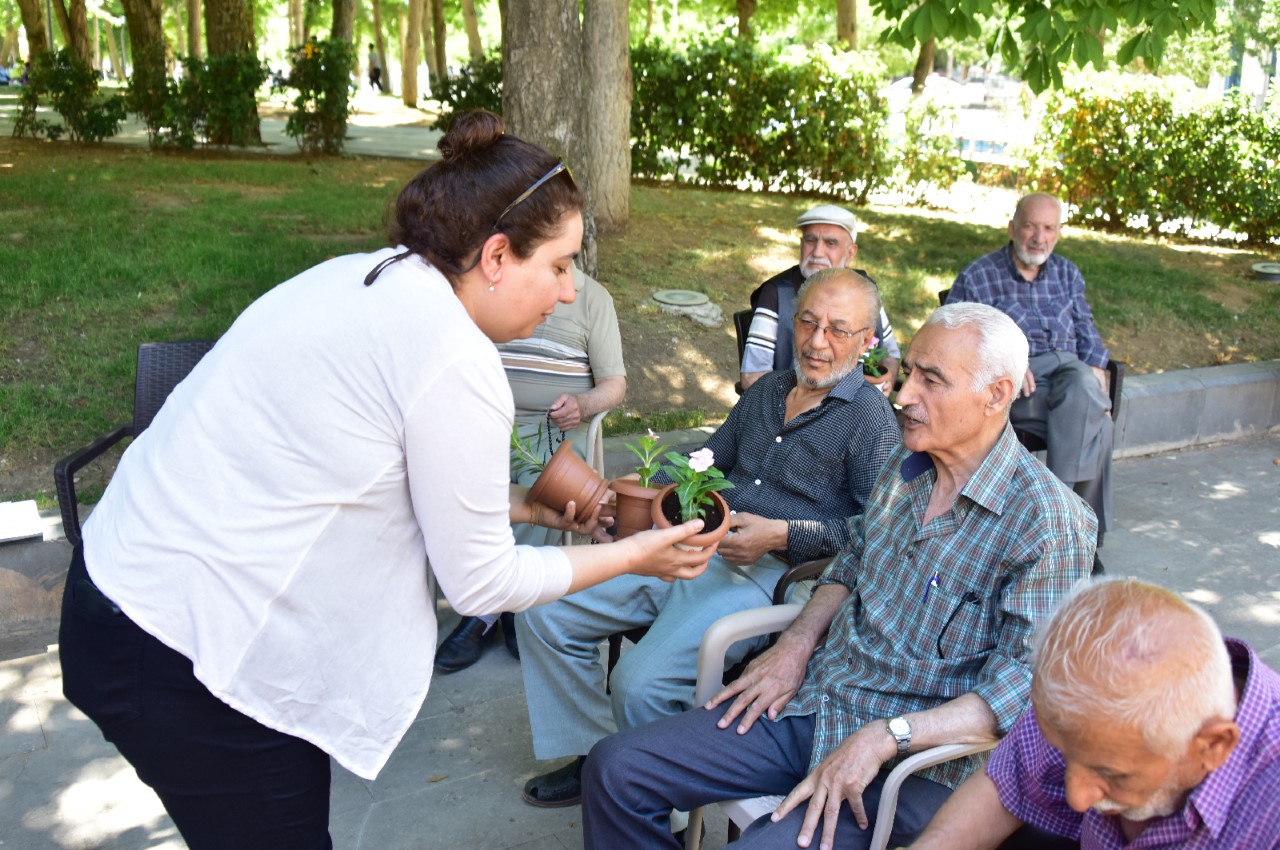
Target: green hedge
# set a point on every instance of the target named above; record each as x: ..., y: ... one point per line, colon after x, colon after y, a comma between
x: 65, y: 82
x: 1137, y: 152
x: 725, y: 113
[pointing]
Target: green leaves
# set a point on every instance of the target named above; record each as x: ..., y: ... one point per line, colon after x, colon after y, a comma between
x: 1049, y: 34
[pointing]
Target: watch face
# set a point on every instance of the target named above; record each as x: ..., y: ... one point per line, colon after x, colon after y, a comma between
x: 899, y: 726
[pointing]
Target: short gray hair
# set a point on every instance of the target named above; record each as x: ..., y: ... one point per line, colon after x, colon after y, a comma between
x: 1002, y: 346
x: 1127, y: 652
x: 850, y: 279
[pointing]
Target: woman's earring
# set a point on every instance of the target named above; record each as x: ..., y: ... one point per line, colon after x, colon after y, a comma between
x: 491, y: 284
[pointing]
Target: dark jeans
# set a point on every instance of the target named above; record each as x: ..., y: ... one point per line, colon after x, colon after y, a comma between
x: 632, y: 780
x: 228, y: 782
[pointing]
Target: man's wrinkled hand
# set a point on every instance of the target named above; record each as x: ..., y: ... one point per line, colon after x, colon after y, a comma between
x: 751, y: 537
x: 841, y: 778
x: 765, y: 687
x: 1028, y: 384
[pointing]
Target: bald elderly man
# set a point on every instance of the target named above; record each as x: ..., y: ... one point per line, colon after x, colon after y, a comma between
x: 1063, y: 398
x: 1147, y: 730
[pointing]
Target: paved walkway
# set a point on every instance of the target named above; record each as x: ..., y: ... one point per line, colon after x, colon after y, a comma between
x: 1205, y: 522
x: 380, y: 126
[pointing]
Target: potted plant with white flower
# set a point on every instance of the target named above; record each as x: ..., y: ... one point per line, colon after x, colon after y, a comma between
x: 695, y: 494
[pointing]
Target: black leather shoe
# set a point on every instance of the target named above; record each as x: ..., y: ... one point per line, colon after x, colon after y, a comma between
x: 509, y: 635
x: 559, y: 788
x: 464, y: 645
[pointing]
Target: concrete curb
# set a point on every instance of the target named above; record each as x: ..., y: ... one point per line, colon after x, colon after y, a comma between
x: 1173, y: 410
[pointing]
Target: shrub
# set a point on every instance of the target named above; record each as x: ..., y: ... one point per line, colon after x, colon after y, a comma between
x: 475, y: 86
x: 927, y: 156
x: 225, y: 91
x: 320, y: 71
x: 730, y: 114
x: 1141, y: 152
x: 70, y: 86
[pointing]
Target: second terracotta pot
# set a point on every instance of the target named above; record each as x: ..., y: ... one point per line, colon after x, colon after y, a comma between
x: 666, y: 513
x: 633, y: 510
x: 568, y: 478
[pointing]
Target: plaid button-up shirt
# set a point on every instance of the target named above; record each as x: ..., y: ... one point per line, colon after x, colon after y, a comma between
x: 943, y: 609
x: 1051, y: 309
x: 1237, y: 807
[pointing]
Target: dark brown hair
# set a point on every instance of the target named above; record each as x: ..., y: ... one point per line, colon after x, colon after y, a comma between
x: 447, y: 211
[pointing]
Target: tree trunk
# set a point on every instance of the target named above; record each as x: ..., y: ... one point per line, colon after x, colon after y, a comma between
x: 177, y: 24
x: 648, y: 19
x: 9, y: 51
x: 195, y: 29
x: 295, y: 23
x: 847, y: 23
x: 33, y: 23
x: 344, y: 20
x: 117, y: 68
x: 74, y: 26
x: 227, y: 27
x: 146, y: 36
x: 473, y: 30
x: 380, y: 41
x: 542, y: 87
x: 746, y: 9
x: 410, y: 57
x: 924, y: 67
x: 607, y: 110
x: 429, y: 45
x: 439, y: 35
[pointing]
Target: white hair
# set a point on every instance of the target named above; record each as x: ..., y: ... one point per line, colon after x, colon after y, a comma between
x: 1125, y: 652
x: 1002, y: 346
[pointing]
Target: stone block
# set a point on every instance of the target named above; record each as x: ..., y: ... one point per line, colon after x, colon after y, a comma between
x: 1159, y: 412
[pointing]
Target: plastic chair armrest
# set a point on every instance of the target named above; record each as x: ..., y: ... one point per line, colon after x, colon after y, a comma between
x: 727, y: 631
x: 913, y: 763
x: 64, y: 478
x: 797, y: 574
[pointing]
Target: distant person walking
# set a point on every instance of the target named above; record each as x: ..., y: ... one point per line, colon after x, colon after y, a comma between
x: 375, y: 70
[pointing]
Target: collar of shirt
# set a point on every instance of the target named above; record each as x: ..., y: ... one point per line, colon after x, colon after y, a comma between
x: 989, y: 485
x: 1212, y: 798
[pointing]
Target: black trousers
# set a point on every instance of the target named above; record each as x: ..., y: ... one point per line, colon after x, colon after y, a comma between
x: 228, y: 782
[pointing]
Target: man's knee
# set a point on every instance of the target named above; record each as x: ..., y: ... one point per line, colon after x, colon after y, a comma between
x: 640, y: 696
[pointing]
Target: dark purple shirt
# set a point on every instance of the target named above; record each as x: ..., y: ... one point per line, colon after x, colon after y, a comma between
x: 1237, y: 807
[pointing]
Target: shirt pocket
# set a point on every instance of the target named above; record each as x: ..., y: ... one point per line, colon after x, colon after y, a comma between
x: 959, y: 625
x: 813, y: 474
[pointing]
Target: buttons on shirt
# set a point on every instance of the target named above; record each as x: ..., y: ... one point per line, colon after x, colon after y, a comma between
x: 757, y: 482
x: 777, y: 439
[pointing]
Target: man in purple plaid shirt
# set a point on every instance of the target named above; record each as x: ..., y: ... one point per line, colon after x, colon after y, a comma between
x: 1148, y: 730
x: 1063, y: 398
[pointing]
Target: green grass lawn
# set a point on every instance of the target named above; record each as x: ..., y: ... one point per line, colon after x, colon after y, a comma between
x: 102, y: 248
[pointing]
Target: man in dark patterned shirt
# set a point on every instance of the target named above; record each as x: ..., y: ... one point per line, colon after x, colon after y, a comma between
x: 1064, y: 397
x: 918, y: 634
x: 803, y: 449
x: 1147, y: 730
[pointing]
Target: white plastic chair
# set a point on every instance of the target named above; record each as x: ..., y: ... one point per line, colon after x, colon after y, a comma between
x: 732, y: 628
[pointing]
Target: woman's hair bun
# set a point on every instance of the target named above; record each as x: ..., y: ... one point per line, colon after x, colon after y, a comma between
x: 473, y: 130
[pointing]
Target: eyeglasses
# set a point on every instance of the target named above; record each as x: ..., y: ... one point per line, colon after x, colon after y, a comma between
x: 809, y: 326
x: 523, y: 196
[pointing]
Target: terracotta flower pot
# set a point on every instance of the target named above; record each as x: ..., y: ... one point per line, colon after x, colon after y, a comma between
x: 666, y: 513
x: 633, y: 510
x: 568, y: 478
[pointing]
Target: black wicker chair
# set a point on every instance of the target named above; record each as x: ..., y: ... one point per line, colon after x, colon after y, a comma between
x: 161, y: 366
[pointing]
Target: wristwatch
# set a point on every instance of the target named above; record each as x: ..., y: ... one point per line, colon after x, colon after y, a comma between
x: 900, y: 729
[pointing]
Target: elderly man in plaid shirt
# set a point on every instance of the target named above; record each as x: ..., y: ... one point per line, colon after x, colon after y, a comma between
x: 918, y: 635
x: 1064, y: 397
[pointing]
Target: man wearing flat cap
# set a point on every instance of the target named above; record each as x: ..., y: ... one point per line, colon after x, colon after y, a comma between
x: 828, y: 240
